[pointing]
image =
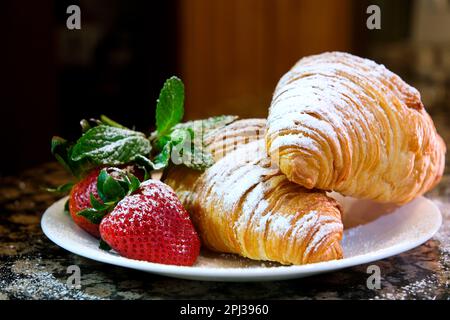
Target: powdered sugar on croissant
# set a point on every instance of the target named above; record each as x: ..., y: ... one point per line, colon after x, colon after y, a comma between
x: 250, y: 208
x: 344, y: 123
x: 244, y: 205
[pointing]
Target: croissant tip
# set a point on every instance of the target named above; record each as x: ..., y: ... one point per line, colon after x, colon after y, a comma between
x: 331, y: 250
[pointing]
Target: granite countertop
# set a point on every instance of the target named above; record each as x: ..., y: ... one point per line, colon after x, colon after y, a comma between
x: 32, y: 267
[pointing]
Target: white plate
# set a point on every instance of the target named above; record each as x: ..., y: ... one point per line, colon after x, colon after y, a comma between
x: 400, y: 230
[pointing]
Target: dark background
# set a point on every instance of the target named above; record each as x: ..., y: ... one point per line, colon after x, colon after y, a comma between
x: 229, y: 53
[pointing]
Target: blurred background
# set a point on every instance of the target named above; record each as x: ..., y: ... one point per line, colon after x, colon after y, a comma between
x: 229, y: 53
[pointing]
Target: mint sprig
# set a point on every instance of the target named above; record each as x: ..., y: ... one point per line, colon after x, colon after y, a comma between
x: 105, y: 142
x: 106, y: 145
x: 181, y: 143
x: 170, y: 105
x: 111, y: 188
x: 184, y: 144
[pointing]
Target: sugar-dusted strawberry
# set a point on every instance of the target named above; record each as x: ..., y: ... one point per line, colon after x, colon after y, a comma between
x: 152, y: 225
x: 80, y: 196
x: 80, y: 200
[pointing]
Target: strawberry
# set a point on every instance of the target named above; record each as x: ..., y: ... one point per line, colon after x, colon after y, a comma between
x: 81, y: 199
x: 152, y: 225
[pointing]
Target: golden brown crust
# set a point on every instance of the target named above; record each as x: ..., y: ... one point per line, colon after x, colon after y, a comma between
x: 244, y: 205
x: 340, y: 122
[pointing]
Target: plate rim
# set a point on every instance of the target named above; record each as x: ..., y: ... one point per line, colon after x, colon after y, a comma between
x: 239, y: 274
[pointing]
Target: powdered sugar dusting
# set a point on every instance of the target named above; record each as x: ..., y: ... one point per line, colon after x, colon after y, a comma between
x: 333, y: 110
x: 246, y: 187
x: 230, y: 180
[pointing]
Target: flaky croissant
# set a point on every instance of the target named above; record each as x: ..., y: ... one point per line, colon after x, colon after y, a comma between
x: 343, y: 123
x: 244, y: 205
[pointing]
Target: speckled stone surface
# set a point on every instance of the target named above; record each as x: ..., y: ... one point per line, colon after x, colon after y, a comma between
x: 32, y: 267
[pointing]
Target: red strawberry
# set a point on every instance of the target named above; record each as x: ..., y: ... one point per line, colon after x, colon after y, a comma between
x: 80, y: 200
x: 152, y: 225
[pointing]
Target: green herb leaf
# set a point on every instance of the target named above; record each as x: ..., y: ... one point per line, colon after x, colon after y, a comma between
x: 198, y: 159
x: 185, y: 143
x: 92, y: 215
x: 104, y: 246
x: 147, y: 164
x: 208, y: 125
x: 162, y: 159
x: 169, y: 107
x: 106, y: 145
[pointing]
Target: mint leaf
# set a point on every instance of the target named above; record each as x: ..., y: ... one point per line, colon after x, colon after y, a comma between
x: 162, y: 159
x: 148, y: 165
x: 198, y: 159
x: 106, y: 145
x: 92, y: 215
x: 185, y: 143
x: 207, y: 125
x: 170, y: 105
x: 182, y: 149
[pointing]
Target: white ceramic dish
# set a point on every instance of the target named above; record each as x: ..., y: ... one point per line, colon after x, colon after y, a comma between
x: 378, y: 235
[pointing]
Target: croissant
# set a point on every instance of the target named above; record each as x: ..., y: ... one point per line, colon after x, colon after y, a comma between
x: 343, y: 123
x: 244, y: 205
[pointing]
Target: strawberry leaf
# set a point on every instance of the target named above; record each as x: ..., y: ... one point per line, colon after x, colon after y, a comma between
x: 92, y: 215
x: 100, y: 182
x: 134, y: 184
x: 62, y: 149
x: 112, y: 189
x: 103, y: 245
x: 66, y: 207
x: 63, y: 189
x: 97, y: 205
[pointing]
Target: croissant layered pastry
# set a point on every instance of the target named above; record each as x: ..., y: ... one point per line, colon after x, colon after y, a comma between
x: 244, y: 205
x: 343, y: 123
